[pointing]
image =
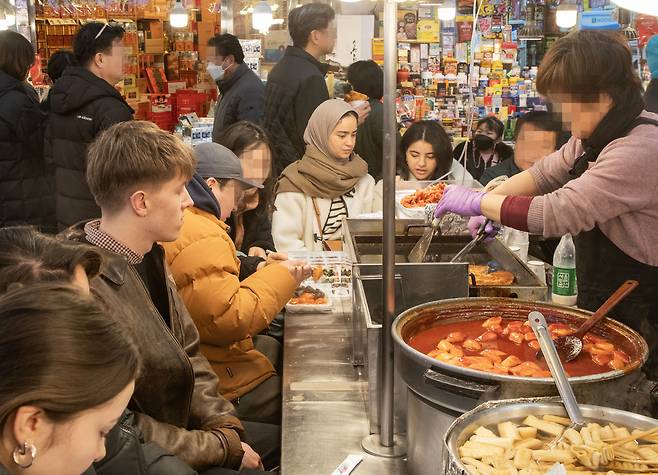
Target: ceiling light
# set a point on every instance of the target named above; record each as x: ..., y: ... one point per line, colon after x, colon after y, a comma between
x: 261, y: 18
x: 178, y: 15
x: 647, y: 7
x: 567, y: 15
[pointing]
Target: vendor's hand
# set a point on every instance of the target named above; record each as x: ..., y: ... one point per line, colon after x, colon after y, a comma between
x: 251, y: 459
x: 363, y: 110
x: 257, y: 252
x: 491, y: 230
x: 459, y: 200
x: 299, y: 270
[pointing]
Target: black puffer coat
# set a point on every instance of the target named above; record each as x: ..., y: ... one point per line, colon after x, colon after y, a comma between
x: 81, y: 106
x: 26, y: 184
x: 295, y: 88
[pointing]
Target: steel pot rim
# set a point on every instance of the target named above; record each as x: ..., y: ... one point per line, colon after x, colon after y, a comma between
x: 475, y: 415
x: 429, y: 362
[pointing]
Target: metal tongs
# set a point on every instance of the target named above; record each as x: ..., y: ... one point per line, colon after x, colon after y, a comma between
x: 479, y: 237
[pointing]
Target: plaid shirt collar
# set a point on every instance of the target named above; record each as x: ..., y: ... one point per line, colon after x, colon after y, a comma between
x: 100, y: 239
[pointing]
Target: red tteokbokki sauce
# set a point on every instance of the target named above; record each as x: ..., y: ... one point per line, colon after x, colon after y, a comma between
x: 509, y: 347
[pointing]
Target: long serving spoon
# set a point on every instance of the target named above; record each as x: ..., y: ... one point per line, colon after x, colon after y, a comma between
x: 539, y: 326
x: 570, y: 346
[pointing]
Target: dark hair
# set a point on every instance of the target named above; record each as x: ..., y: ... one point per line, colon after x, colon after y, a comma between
x: 86, y: 45
x: 242, y: 136
x: 367, y: 78
x: 492, y: 123
x: 303, y: 20
x: 16, y: 54
x: 28, y: 256
x: 588, y: 63
x: 227, y: 44
x: 433, y: 133
x: 542, y: 120
x: 58, y: 62
x: 62, y: 351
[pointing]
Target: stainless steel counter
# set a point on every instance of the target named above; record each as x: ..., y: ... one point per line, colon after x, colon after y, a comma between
x: 325, y: 398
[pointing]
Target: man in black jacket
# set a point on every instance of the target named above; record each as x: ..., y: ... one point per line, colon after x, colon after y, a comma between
x: 83, y: 103
x: 242, y: 92
x: 296, y: 85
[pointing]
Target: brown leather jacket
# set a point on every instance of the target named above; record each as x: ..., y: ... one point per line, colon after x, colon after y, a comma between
x: 176, y: 399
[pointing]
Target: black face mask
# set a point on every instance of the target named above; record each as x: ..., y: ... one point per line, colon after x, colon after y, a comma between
x: 483, y: 142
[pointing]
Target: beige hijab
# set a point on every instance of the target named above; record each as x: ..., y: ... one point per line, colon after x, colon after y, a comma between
x: 318, y: 174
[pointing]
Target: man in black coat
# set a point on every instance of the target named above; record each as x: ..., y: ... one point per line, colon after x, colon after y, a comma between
x: 25, y: 182
x: 296, y: 84
x: 242, y: 92
x: 83, y: 103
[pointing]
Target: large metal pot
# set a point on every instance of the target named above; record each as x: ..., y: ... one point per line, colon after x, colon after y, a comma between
x: 439, y: 393
x: 461, y: 389
x: 491, y: 413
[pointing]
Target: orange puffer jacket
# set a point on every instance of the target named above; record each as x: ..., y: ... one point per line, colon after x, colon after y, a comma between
x: 227, y: 312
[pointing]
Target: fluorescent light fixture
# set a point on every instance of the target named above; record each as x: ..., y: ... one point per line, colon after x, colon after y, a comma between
x: 647, y: 7
x: 261, y: 18
x: 178, y: 15
x: 566, y: 15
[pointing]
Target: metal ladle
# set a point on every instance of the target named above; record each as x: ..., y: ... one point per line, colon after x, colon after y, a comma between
x: 539, y: 326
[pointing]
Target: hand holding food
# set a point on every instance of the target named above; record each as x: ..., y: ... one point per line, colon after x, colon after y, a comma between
x: 459, y: 200
x: 299, y: 270
x: 363, y: 110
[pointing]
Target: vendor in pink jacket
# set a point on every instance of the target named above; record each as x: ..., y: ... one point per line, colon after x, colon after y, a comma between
x: 602, y: 186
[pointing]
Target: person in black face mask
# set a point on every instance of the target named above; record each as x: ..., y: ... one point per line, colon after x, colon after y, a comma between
x: 486, y: 148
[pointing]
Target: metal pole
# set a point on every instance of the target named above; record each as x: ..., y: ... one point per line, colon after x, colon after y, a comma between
x: 386, y: 412
x: 386, y: 444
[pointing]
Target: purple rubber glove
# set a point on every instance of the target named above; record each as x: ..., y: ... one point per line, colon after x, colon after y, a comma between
x: 491, y: 229
x: 459, y: 200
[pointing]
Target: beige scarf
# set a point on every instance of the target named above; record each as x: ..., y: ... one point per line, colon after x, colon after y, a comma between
x: 318, y: 174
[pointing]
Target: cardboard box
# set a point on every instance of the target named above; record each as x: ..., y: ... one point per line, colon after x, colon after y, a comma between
x: 154, y: 46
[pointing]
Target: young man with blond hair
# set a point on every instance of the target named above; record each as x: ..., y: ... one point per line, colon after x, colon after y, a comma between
x: 137, y: 174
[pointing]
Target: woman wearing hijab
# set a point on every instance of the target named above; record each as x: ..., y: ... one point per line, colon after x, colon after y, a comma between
x: 329, y: 182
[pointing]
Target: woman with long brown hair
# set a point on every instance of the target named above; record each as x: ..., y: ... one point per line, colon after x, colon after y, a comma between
x: 67, y: 372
